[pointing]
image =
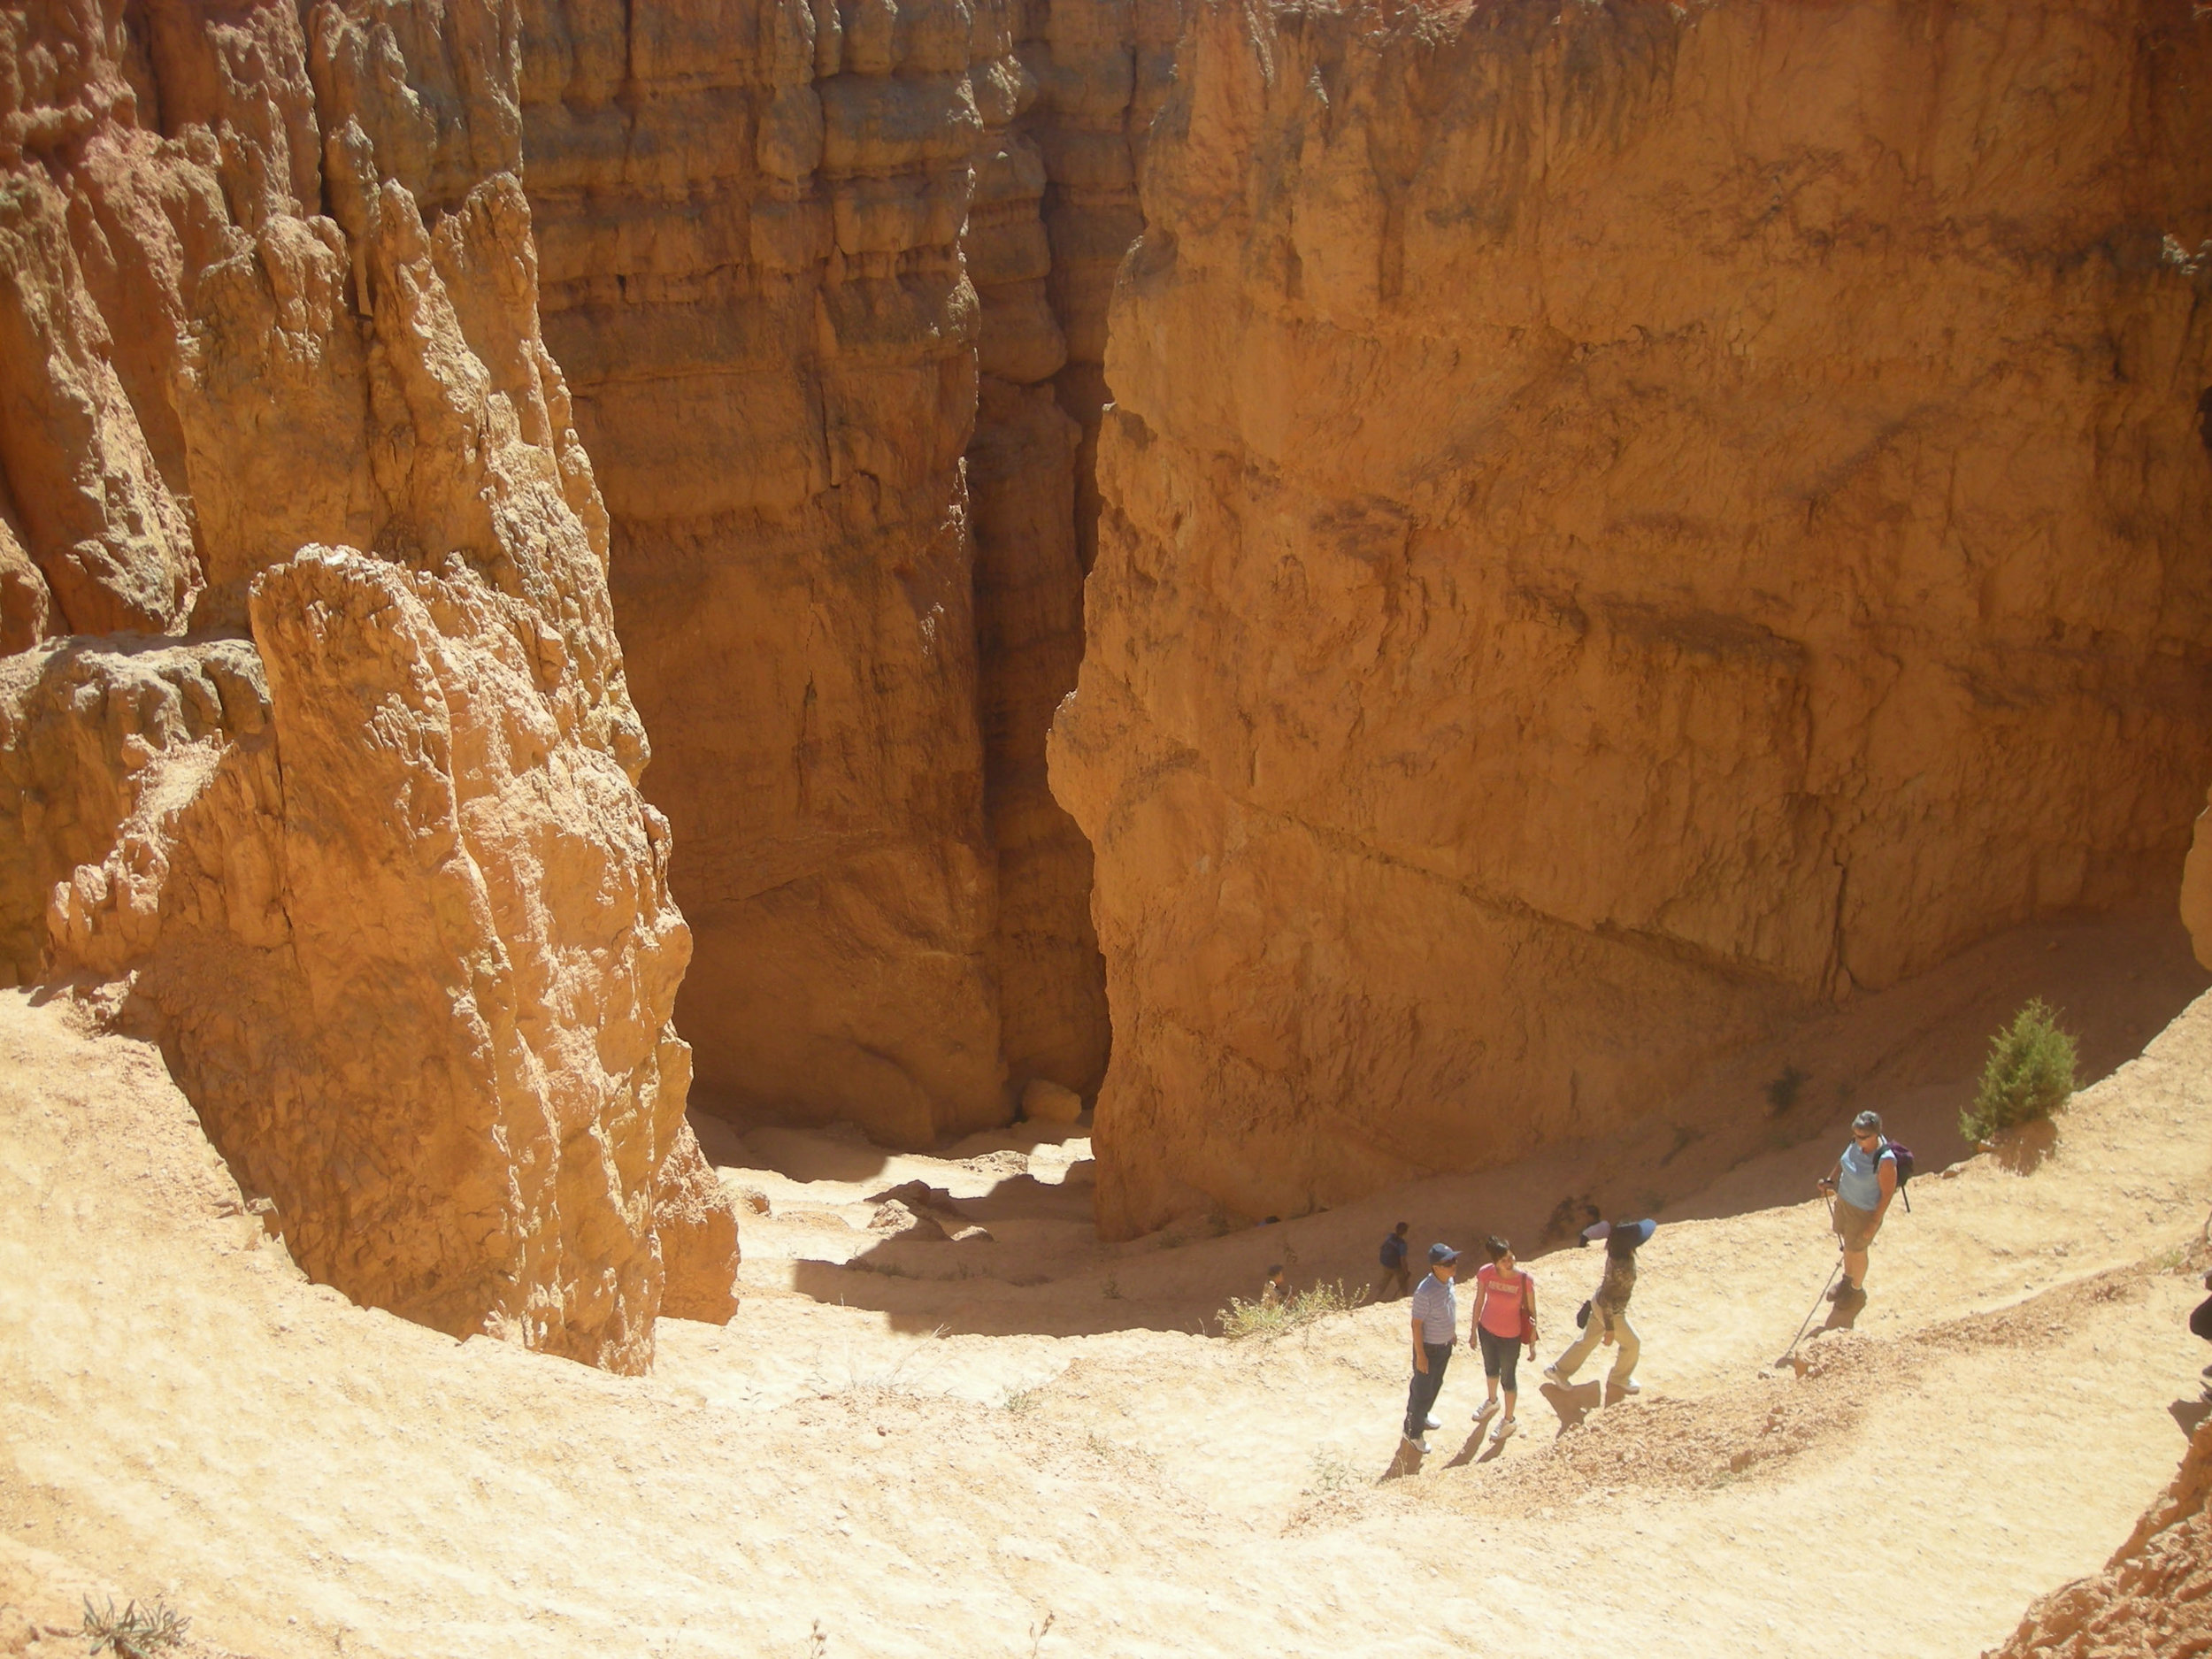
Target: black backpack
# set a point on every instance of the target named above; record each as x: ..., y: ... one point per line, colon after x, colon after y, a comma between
x: 1392, y: 1258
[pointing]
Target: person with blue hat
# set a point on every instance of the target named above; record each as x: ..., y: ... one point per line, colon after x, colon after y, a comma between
x: 1435, y: 1331
x: 1608, y: 1307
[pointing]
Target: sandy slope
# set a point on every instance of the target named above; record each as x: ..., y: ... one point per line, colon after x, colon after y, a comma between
x: 181, y: 1414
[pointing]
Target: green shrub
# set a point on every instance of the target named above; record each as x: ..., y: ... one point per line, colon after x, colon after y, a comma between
x: 136, y: 1632
x: 1242, y: 1318
x: 2030, y: 1074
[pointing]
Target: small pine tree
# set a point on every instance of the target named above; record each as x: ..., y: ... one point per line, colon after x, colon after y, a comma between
x: 2030, y: 1074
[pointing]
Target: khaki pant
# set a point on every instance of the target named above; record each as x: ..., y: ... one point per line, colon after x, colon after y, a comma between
x: 1624, y: 1337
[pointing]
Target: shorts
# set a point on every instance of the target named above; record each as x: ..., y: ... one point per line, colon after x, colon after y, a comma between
x: 1853, y: 1226
x: 1501, y: 1355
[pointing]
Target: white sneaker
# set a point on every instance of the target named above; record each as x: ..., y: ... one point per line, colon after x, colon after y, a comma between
x: 1436, y: 1422
x: 1551, y: 1375
x: 1420, y: 1445
x: 1505, y: 1429
x: 1485, y: 1410
x: 1628, y: 1389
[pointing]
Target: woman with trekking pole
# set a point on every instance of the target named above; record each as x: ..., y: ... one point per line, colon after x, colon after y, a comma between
x: 1861, y: 1186
x: 1505, y: 1322
x: 1606, y: 1314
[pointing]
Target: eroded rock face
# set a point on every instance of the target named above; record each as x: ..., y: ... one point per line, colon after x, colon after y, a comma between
x: 842, y: 389
x: 1613, y: 533
x: 749, y: 217
x: 2153, y: 1598
x: 1055, y: 209
x: 376, y: 863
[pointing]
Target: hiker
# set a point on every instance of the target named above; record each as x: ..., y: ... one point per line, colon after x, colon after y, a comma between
x: 1504, y: 1323
x: 1276, y: 1291
x: 1606, y: 1318
x: 2200, y: 1324
x: 1863, y: 1183
x: 1393, y: 1264
x: 1435, y: 1329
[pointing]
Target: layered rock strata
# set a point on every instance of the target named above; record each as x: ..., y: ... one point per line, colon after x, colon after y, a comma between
x: 1620, y: 522
x: 749, y: 220
x: 316, y: 732
x: 788, y: 250
x: 1055, y: 209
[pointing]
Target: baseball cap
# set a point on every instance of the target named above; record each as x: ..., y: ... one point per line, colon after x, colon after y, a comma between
x: 1442, y: 1253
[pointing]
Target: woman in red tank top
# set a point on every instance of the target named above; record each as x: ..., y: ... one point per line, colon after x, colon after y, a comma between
x: 1505, y: 1323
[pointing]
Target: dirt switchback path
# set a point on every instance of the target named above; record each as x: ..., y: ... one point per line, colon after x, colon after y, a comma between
x: 184, y: 1415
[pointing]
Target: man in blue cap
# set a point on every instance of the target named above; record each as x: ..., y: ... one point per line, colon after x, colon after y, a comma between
x: 1435, y: 1329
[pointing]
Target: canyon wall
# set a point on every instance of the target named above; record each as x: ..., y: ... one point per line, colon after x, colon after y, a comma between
x: 2154, y: 1599
x: 314, y: 737
x: 794, y: 266
x: 1620, y: 523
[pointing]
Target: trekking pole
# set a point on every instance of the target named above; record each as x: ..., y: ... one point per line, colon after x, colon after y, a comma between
x: 1800, y: 1337
x: 1832, y: 1271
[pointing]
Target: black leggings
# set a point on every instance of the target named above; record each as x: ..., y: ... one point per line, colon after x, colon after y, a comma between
x: 1500, y: 1356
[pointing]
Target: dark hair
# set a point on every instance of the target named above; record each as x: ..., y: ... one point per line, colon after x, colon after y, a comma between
x: 1402, y: 1226
x: 1274, y: 1270
x: 1496, y: 1247
x: 1623, y: 1240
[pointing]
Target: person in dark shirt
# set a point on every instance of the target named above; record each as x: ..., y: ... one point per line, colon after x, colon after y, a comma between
x: 2200, y: 1324
x: 1395, y: 1273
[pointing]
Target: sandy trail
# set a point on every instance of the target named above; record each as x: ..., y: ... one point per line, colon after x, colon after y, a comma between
x: 183, y: 1414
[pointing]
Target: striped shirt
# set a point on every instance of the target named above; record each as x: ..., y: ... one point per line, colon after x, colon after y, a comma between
x: 1436, y: 1305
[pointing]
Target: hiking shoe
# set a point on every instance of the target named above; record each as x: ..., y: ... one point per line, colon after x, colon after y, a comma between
x: 1485, y: 1410
x: 1628, y: 1389
x: 1436, y: 1422
x: 1505, y: 1430
x: 1845, y: 1289
x: 1420, y: 1445
x: 1551, y: 1375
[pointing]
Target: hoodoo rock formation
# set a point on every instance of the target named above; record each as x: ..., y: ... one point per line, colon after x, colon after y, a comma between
x: 2154, y: 1599
x: 839, y: 385
x: 315, y: 734
x: 1621, y: 521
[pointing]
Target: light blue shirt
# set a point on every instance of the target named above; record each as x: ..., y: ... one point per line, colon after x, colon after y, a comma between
x: 1436, y: 1305
x: 1860, y: 1183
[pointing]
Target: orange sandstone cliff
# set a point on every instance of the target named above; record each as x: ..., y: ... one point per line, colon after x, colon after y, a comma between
x: 1621, y: 522
x: 315, y: 746
x: 830, y: 282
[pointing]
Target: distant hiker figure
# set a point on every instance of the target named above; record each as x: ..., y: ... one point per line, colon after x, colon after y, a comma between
x: 1276, y: 1290
x: 1505, y: 1323
x: 1608, y: 1316
x: 1435, y: 1329
x: 2200, y: 1324
x: 1395, y: 1273
x: 1863, y: 1183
